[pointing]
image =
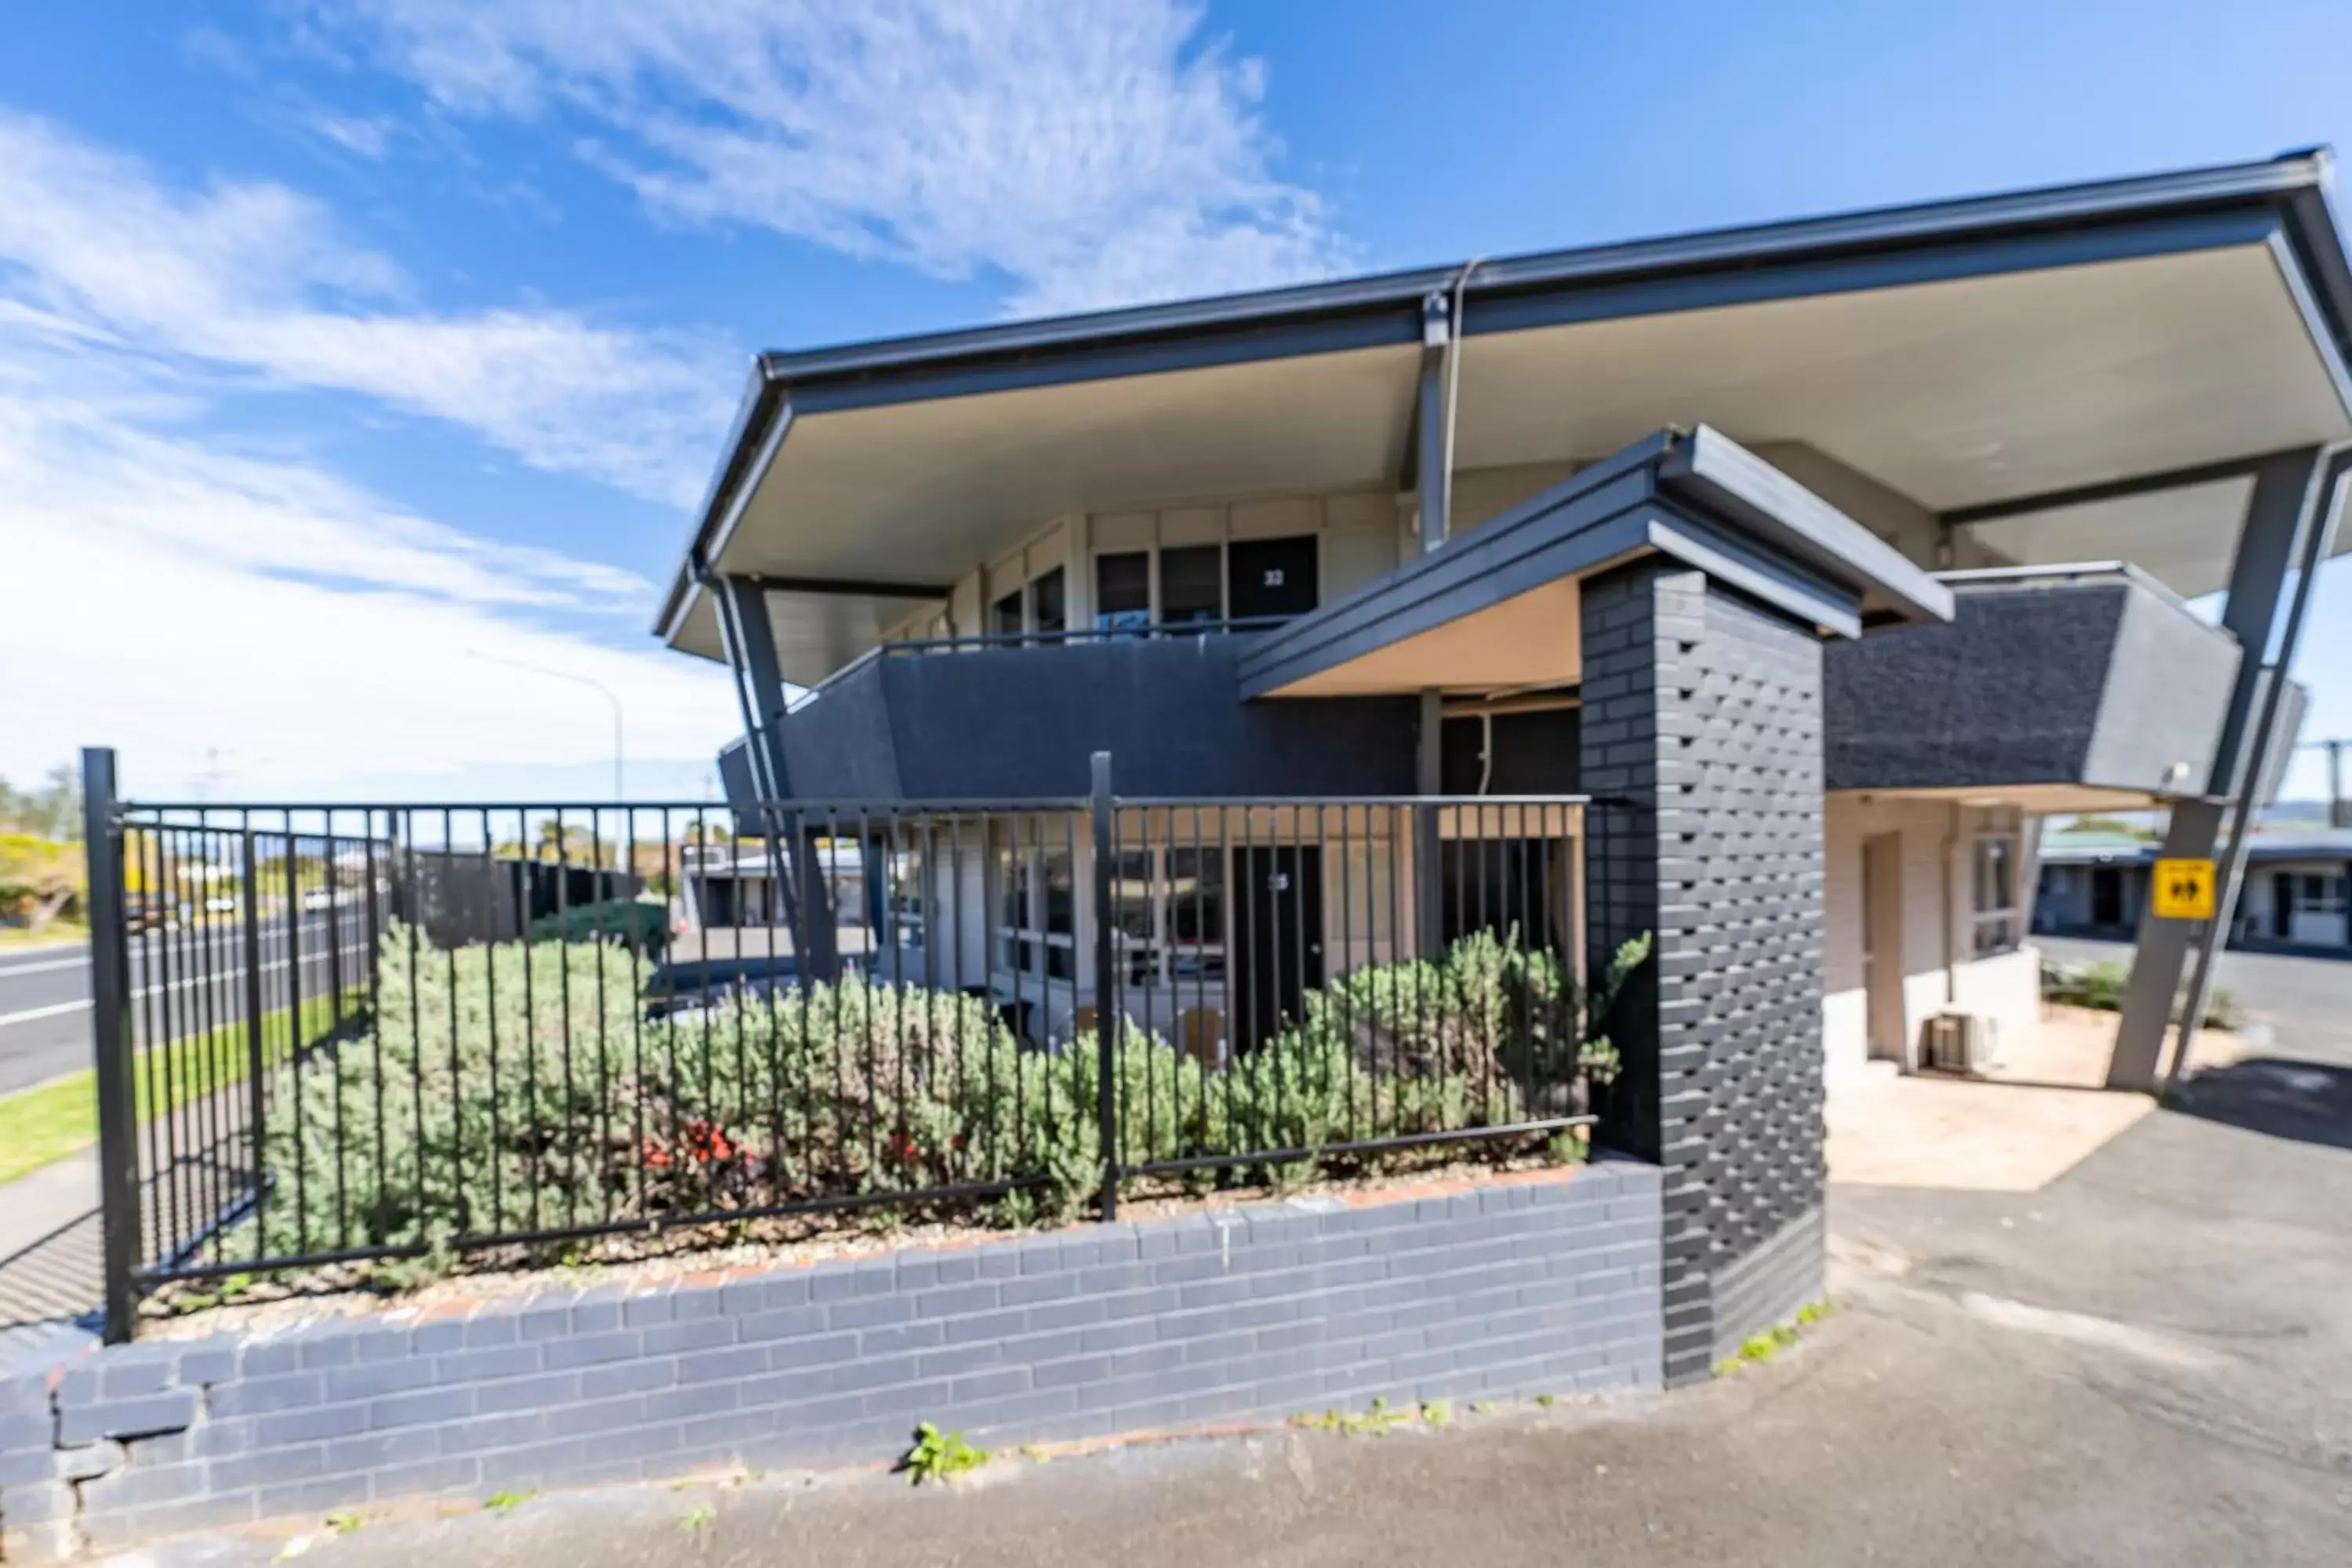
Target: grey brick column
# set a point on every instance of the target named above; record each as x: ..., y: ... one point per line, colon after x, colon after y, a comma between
x: 1705, y: 710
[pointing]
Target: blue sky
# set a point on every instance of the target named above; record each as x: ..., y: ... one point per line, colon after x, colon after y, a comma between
x: 343, y: 342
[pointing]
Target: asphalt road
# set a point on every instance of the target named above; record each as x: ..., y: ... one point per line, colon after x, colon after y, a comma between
x: 197, y: 975
x: 2306, y: 1000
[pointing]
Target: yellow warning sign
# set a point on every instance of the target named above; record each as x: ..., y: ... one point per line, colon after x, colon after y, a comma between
x: 2184, y: 889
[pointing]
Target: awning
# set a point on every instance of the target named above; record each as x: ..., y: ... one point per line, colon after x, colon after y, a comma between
x: 1965, y: 355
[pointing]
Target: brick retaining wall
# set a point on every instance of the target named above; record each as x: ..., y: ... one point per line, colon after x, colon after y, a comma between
x: 1545, y: 1283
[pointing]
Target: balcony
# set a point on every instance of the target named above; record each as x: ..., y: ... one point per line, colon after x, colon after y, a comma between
x: 1013, y: 717
x: 2077, y: 685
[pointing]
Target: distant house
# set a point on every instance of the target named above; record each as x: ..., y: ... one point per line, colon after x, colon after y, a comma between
x: 2297, y: 889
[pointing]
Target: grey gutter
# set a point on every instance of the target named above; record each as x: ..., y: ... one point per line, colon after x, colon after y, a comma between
x: 1875, y: 230
x: 1386, y: 309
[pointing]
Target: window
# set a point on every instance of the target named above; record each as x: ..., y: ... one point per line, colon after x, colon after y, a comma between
x: 1993, y: 893
x: 1036, y: 898
x: 2319, y: 894
x: 1004, y: 615
x: 1123, y: 591
x: 1048, y: 604
x: 1191, y: 584
x: 1169, y: 905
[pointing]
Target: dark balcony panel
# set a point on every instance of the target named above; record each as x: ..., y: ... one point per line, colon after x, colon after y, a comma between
x: 2103, y: 680
x: 838, y: 742
x: 1006, y: 723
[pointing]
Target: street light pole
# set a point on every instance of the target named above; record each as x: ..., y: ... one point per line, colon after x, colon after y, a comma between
x: 2339, y: 810
x: 619, y: 792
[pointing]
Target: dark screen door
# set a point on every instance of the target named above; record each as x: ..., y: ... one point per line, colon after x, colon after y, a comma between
x: 2107, y: 896
x: 1278, y: 937
x: 1266, y: 577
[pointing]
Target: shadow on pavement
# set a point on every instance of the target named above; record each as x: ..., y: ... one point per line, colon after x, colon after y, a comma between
x: 2310, y: 1102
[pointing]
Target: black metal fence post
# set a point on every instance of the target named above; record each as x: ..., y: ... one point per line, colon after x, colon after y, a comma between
x: 109, y: 990
x: 257, y: 1068
x: 1106, y: 990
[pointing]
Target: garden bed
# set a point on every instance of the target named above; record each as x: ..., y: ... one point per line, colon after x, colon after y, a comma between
x: 515, y: 1108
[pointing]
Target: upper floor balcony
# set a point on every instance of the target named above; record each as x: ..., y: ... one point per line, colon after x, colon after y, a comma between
x: 2074, y: 687
x: 1017, y: 715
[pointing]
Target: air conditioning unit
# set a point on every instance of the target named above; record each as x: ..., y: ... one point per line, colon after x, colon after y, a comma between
x: 1964, y: 1043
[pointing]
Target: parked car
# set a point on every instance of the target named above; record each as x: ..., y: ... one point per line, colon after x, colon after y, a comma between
x: 317, y: 900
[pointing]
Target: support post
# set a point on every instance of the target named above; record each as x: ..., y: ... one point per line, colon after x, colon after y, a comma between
x: 1105, y: 988
x: 110, y: 991
x: 2323, y: 510
x: 1429, y: 436
x: 750, y: 640
x: 1428, y: 841
x: 1703, y: 713
x: 257, y: 1072
x: 2278, y: 517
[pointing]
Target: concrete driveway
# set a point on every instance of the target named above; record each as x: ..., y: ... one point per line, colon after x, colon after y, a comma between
x: 2144, y: 1363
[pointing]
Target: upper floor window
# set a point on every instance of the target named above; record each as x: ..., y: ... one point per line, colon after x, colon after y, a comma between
x: 1049, y: 603
x: 1196, y: 584
x: 1191, y: 584
x: 1123, y: 591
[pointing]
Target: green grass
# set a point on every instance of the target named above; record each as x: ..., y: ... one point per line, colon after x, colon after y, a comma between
x: 54, y: 933
x: 41, y: 1125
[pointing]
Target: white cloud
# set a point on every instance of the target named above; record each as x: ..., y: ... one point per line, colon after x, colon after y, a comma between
x: 197, y: 607
x: 197, y: 668
x: 1095, y: 153
x: 217, y: 607
x: 253, y: 279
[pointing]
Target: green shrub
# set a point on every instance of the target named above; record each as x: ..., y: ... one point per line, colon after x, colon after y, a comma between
x: 518, y: 1087
x: 2101, y: 984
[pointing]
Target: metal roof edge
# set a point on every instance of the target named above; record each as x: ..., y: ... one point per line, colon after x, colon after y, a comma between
x: 2296, y: 182
x: 2099, y: 202
x: 1727, y: 477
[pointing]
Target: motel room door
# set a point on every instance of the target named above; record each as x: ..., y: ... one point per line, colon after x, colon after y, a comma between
x: 1277, y: 937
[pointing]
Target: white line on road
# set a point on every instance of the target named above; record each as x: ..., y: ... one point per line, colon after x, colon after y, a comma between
x: 61, y: 1009
x: 32, y: 1014
x: 10, y: 974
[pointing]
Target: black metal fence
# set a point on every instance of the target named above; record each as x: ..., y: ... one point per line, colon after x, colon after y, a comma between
x: 333, y: 1034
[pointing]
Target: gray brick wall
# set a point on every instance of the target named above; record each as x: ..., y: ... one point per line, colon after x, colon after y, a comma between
x: 1517, y: 1287
x: 1770, y: 1282
x: 1705, y: 710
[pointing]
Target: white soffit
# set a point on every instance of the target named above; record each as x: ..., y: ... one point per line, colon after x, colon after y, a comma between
x: 922, y: 490
x: 1528, y: 641
x: 816, y: 633
x: 698, y: 632
x: 2183, y: 538
x: 1954, y: 392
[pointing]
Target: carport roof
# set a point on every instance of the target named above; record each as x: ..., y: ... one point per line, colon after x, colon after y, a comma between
x: 2007, y: 360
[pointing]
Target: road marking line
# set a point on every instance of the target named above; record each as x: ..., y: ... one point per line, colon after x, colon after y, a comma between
x: 11, y: 973
x: 31, y: 1013
x: 61, y: 1009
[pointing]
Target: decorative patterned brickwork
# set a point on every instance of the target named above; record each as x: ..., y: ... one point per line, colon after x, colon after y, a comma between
x: 1542, y: 1283
x: 1705, y: 710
